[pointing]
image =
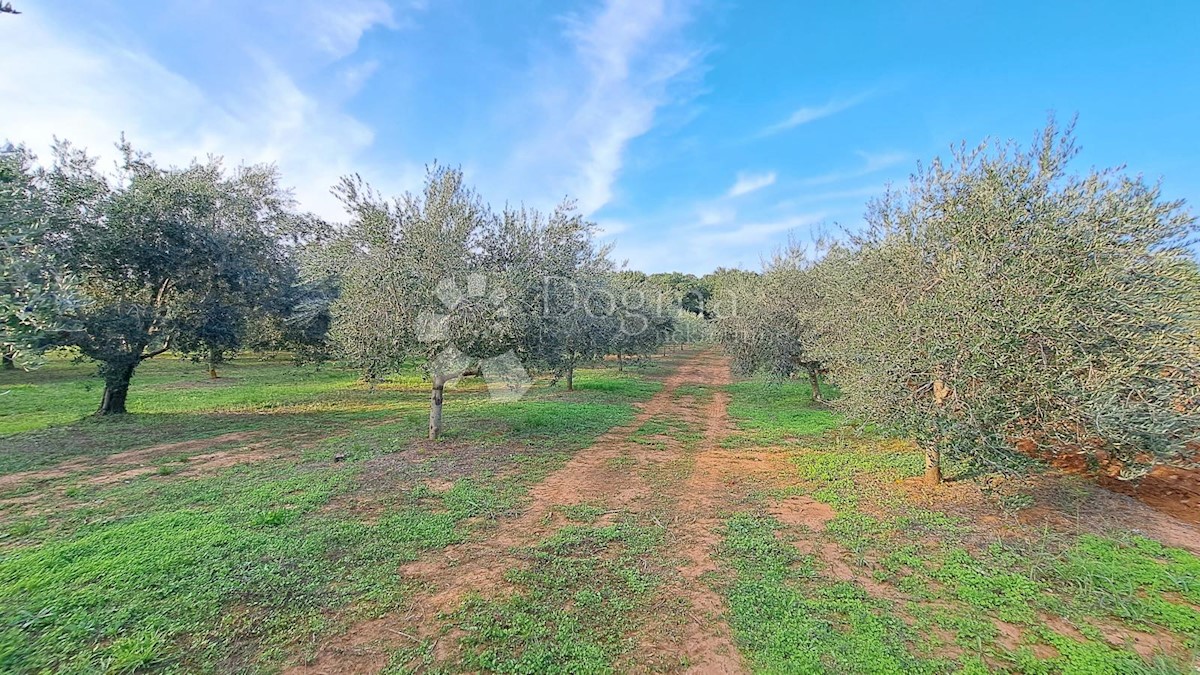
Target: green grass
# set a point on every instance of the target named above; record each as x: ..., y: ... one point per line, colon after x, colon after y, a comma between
x: 243, y: 568
x: 776, y: 412
x: 623, y: 384
x: 249, y: 567
x: 788, y: 617
x: 952, y: 581
x: 583, y: 512
x: 47, y: 419
x: 161, y: 562
x: 580, y: 597
x: 654, y: 430
x: 701, y: 393
x: 64, y: 391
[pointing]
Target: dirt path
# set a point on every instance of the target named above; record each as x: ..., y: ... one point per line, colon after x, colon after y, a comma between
x: 670, y: 467
x: 676, y: 481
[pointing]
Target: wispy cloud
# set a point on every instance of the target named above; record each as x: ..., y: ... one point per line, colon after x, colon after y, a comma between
x: 711, y: 214
x: 625, y: 59
x: 756, y: 233
x: 355, y: 76
x: 336, y: 27
x: 90, y: 90
x: 871, y: 163
x: 749, y: 182
x: 700, y: 248
x: 808, y: 114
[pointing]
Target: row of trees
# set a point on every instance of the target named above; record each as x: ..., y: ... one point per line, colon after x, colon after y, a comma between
x: 203, y: 261
x: 440, y: 279
x: 997, y: 299
x: 127, y: 265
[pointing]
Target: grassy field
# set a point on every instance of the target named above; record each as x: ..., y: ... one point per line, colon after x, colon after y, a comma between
x: 144, y: 546
x: 212, y: 530
x: 951, y: 581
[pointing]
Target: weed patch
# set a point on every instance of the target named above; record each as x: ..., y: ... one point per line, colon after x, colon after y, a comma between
x: 579, y: 598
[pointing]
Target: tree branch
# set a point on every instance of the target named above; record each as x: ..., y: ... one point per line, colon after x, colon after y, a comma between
x: 156, y: 352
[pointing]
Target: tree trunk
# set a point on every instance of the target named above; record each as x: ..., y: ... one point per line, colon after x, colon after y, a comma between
x: 9, y: 363
x: 814, y: 379
x: 620, y: 363
x: 116, y: 388
x: 214, y: 357
x: 435, y: 407
x: 571, y: 377
x: 933, y: 466
x: 933, y: 454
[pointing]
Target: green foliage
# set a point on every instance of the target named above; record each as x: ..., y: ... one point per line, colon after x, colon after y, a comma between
x: 163, y: 256
x: 683, y: 291
x: 439, y: 279
x: 34, y: 289
x: 769, y: 322
x: 1000, y: 297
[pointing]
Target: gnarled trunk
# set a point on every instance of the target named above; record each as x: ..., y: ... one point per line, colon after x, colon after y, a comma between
x: 933, y: 453
x: 435, y: 407
x: 214, y: 357
x: 116, y: 388
x: 933, y: 466
x: 814, y: 379
x: 8, y: 359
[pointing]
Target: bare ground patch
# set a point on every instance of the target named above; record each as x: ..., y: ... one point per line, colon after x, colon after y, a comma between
x: 138, y: 456
x: 618, y: 474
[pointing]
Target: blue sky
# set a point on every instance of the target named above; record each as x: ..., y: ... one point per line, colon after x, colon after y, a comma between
x: 696, y: 134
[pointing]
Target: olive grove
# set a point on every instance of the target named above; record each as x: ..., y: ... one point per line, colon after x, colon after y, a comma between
x: 439, y: 280
x: 1000, y: 298
x: 34, y: 289
x: 166, y: 258
x: 769, y: 322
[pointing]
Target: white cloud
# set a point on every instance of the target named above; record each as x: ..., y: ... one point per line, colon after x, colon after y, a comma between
x: 808, y: 114
x: 709, y: 215
x: 749, y: 182
x: 701, y: 250
x: 90, y: 90
x: 583, y: 110
x: 872, y: 163
x: 354, y: 77
x: 858, y: 196
x: 747, y: 234
x: 336, y: 27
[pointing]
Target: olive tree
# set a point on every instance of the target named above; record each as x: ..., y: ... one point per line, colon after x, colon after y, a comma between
x: 1001, y: 298
x: 642, y: 324
x: 685, y: 291
x: 299, y: 323
x: 581, y: 321
x: 769, y: 322
x: 252, y: 274
x: 147, y: 244
x: 34, y: 289
x: 414, y: 283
